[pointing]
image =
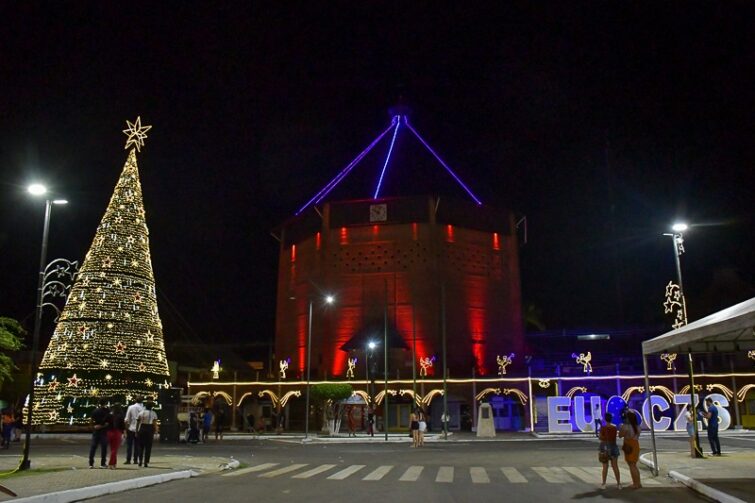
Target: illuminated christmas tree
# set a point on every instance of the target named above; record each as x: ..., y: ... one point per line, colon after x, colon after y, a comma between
x: 108, y: 342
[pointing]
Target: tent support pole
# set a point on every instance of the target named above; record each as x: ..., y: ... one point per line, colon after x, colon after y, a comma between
x: 698, y: 451
x: 652, y: 415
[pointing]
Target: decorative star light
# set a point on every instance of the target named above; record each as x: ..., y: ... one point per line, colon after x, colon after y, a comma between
x: 148, y: 382
x: 54, y: 415
x: 120, y: 347
x: 69, y: 409
x: 136, y: 134
x: 74, y: 381
x: 142, y: 367
x: 150, y: 336
x: 53, y: 385
x: 104, y: 364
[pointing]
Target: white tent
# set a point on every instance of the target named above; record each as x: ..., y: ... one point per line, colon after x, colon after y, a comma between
x: 729, y: 330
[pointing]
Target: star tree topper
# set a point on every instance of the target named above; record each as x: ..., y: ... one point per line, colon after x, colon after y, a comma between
x: 136, y: 134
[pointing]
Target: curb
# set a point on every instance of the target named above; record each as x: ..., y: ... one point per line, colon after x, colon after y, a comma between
x: 82, y: 493
x: 693, y: 484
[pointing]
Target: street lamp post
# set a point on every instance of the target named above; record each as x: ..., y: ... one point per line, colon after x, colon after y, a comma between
x: 677, y: 238
x: 328, y: 300
x: 37, y: 190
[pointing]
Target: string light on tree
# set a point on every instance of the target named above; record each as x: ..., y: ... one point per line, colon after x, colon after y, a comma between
x: 108, y: 341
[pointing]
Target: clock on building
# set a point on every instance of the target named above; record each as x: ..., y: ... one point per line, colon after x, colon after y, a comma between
x: 378, y: 212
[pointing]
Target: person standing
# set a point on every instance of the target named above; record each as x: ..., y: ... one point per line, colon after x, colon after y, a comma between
x: 100, y: 424
x: 219, y: 420
x: 146, y: 428
x: 422, y: 428
x: 712, y: 416
x: 609, y: 451
x: 371, y: 421
x: 351, y: 421
x: 691, y: 430
x: 132, y: 440
x: 115, y: 434
x: 206, y: 424
x: 414, y: 427
x: 630, y: 432
x: 8, y: 424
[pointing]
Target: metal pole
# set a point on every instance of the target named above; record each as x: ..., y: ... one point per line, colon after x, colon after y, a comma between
x: 385, y: 361
x: 26, y: 462
x: 698, y: 451
x: 414, y: 353
x: 652, y: 416
x: 532, y: 399
x: 309, y: 355
x: 677, y: 252
x: 445, y: 371
x: 734, y: 396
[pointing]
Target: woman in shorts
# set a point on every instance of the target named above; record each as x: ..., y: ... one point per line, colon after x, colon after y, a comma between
x: 609, y: 451
x: 414, y: 427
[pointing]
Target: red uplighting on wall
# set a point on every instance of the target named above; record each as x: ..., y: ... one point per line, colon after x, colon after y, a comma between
x: 293, y: 253
x: 414, y: 231
x: 344, y: 236
x: 450, y: 233
x: 496, y: 241
x: 318, y: 240
x: 375, y: 230
x: 301, y: 339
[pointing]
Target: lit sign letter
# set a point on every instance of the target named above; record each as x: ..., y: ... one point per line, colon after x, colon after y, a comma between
x: 648, y: 412
x: 721, y: 402
x: 558, y: 414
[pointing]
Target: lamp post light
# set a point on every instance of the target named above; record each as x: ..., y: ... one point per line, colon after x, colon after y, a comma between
x: 677, y: 238
x: 329, y: 299
x: 371, y: 345
x: 37, y: 189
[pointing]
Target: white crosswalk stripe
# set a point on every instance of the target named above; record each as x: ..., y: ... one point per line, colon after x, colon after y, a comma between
x: 346, y: 472
x: 282, y: 471
x: 313, y: 472
x: 583, y: 475
x: 251, y: 469
x: 445, y: 474
x: 479, y: 475
x: 379, y: 472
x: 553, y: 475
x: 411, y: 474
x: 513, y: 475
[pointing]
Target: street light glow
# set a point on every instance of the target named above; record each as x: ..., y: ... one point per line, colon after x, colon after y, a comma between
x: 329, y: 299
x: 37, y: 189
x: 372, y: 345
x: 679, y: 227
x: 60, y: 201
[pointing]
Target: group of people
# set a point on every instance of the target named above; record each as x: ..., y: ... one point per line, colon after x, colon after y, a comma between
x: 418, y: 427
x: 109, y: 425
x: 202, y: 424
x: 12, y: 426
x: 712, y: 416
x: 609, y: 449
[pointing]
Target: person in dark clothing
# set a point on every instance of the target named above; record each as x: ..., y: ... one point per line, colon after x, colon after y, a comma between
x: 100, y: 424
x: 193, y: 437
x: 147, y: 427
x: 250, y: 421
x: 712, y: 416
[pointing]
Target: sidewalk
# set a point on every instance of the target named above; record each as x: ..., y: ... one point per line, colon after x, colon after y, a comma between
x: 70, y: 479
x: 729, y: 478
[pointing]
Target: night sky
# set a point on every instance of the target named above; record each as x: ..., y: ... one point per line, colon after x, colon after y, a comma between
x: 601, y: 122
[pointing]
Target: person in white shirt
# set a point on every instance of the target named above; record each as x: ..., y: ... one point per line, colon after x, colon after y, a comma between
x: 132, y: 440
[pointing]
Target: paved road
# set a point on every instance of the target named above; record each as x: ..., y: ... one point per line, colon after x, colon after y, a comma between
x: 544, y: 470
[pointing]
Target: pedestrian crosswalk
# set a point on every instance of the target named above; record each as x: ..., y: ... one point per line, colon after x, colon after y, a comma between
x: 440, y: 474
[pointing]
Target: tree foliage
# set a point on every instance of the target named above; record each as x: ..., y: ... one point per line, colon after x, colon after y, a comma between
x: 324, y: 392
x: 11, y: 339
